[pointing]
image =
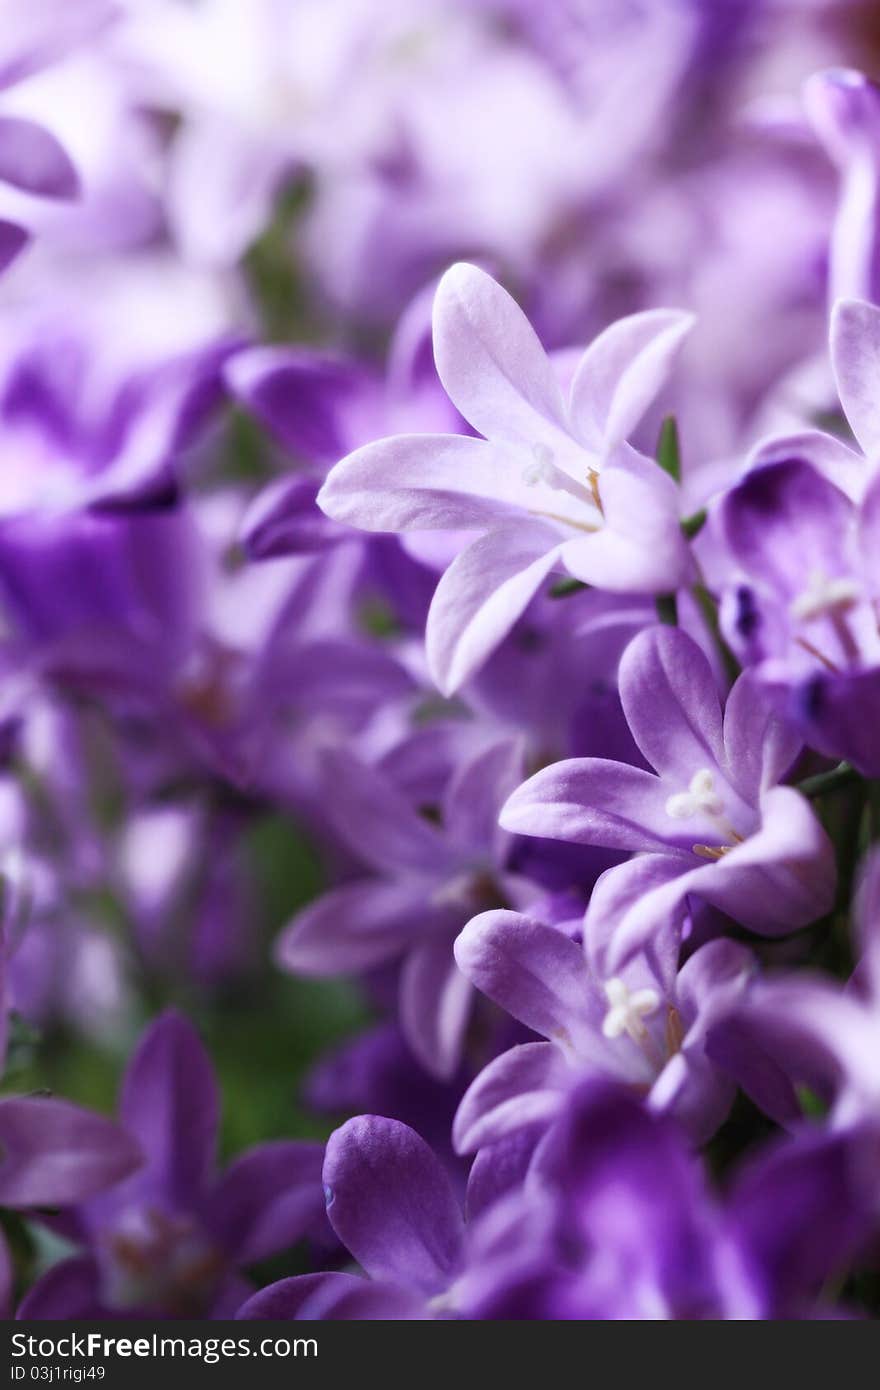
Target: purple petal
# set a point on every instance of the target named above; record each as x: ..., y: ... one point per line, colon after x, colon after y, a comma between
x: 423, y: 482
x: 622, y: 371
x: 785, y: 520
x: 13, y: 239
x: 171, y: 1105
x: 284, y: 519
x: 267, y: 1199
x: 353, y: 928
x: 855, y: 356
x: 477, y: 792
x: 844, y: 108
x: 802, y: 1210
x: 284, y: 1300
x: 780, y: 878
x: 370, y: 1302
x: 522, y: 1088
x: 617, y: 891
x: 70, y: 1289
x: 499, y: 1169
x: 478, y: 600
x: 534, y: 972
x: 759, y: 745
x: 435, y: 1005
x: 671, y: 703
x: 591, y: 801
x: 307, y: 399
x: 32, y: 159
x: 695, y: 1092
x: 841, y: 465
x: 53, y: 1154
x: 379, y: 824
x: 392, y: 1205
x: 490, y: 360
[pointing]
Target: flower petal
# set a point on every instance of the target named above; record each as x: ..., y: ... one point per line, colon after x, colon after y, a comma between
x: 486, y: 588
x: 53, y: 1154
x: 591, y: 801
x: 622, y: 371
x: 491, y: 363
x: 671, y: 703
x: 352, y: 928
x: 267, y: 1199
x: 534, y: 972
x: 523, y: 1087
x: 284, y: 1300
x: 391, y: 1204
x: 855, y: 356
x: 435, y: 1005
x: 32, y: 159
x: 378, y: 823
x: 171, y: 1105
x: 423, y: 482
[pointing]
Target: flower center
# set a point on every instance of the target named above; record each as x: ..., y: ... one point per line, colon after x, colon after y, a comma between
x: 627, y: 1010
x: 701, y: 799
x: 825, y: 598
x: 832, y: 599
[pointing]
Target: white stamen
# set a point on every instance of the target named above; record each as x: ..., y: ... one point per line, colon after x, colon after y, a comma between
x: 542, y: 469
x: 825, y: 598
x: 701, y: 798
x: 627, y: 1010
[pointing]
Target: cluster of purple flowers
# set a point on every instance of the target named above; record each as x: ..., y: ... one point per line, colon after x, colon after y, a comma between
x: 440, y: 440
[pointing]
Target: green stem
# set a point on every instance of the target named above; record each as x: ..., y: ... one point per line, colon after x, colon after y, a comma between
x: 844, y: 775
x: 565, y: 587
x: 709, y: 609
x: 667, y: 609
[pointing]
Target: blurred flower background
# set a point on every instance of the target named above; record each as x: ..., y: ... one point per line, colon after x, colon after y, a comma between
x: 248, y: 811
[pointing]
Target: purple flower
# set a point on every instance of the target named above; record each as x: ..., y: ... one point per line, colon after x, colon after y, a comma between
x: 429, y: 879
x: 552, y: 484
x: 801, y: 606
x: 615, y: 1221
x: 645, y: 1027
x: 170, y: 1238
x: 762, y: 856
x: 823, y: 1034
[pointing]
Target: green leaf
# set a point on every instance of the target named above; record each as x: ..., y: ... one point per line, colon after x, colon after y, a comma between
x: 668, y: 450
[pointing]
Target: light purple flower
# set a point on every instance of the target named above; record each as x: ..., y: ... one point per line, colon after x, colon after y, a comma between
x: 429, y: 879
x: 552, y: 484
x: 645, y: 1027
x: 709, y: 820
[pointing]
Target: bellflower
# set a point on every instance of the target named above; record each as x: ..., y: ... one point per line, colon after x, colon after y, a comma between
x: 615, y: 1222
x: 428, y: 880
x: 825, y: 1034
x: 801, y: 610
x: 170, y: 1239
x: 552, y: 485
x: 645, y: 1027
x: 709, y: 820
